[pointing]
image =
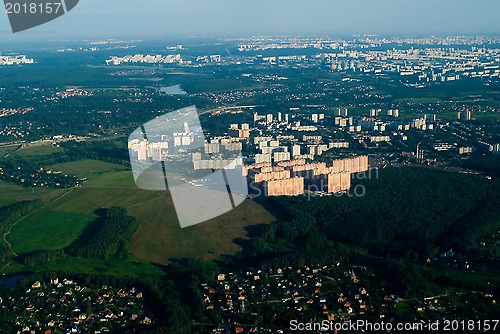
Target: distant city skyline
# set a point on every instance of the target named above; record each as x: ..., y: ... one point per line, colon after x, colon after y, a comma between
x: 178, y: 18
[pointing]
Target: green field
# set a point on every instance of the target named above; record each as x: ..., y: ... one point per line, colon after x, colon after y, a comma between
x: 7, y: 149
x: 86, y: 168
x: 33, y: 151
x: 47, y: 230
x: 64, y: 219
x: 66, y: 213
x: 11, y: 193
x: 65, y: 216
x: 121, y: 179
x: 160, y: 238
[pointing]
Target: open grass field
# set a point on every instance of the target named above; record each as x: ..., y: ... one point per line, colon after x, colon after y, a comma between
x: 160, y: 237
x: 65, y: 216
x: 11, y: 193
x: 86, y: 168
x: 121, y: 179
x: 7, y: 149
x: 86, y: 200
x: 33, y: 151
x: 63, y: 220
x: 47, y: 230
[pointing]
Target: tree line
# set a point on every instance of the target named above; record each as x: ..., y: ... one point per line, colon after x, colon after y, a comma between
x: 110, y: 237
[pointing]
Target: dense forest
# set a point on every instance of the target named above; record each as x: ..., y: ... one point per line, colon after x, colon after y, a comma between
x: 41, y: 257
x: 418, y: 206
x: 485, y: 163
x: 407, y: 216
x: 109, y: 239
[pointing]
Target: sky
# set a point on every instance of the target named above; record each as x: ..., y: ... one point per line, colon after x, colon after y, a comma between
x: 178, y: 18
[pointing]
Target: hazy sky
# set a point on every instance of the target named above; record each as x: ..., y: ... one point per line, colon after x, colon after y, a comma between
x: 172, y: 18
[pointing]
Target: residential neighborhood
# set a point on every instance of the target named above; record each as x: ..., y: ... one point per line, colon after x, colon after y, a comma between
x: 314, y: 294
x: 64, y: 306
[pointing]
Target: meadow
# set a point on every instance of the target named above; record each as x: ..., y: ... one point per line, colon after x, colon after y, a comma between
x: 158, y: 238
x: 36, y: 151
x: 86, y: 168
x: 47, y: 230
x: 11, y: 193
x: 63, y: 219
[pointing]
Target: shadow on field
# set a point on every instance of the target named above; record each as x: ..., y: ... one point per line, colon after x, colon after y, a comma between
x: 273, y: 207
x: 90, y: 230
x: 252, y: 231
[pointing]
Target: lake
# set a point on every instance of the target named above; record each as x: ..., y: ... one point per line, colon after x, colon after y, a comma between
x: 9, y: 281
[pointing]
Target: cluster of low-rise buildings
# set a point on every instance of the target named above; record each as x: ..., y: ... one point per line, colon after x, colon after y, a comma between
x: 71, y: 92
x: 308, y: 292
x: 14, y: 111
x: 317, y: 294
x: 64, y: 306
